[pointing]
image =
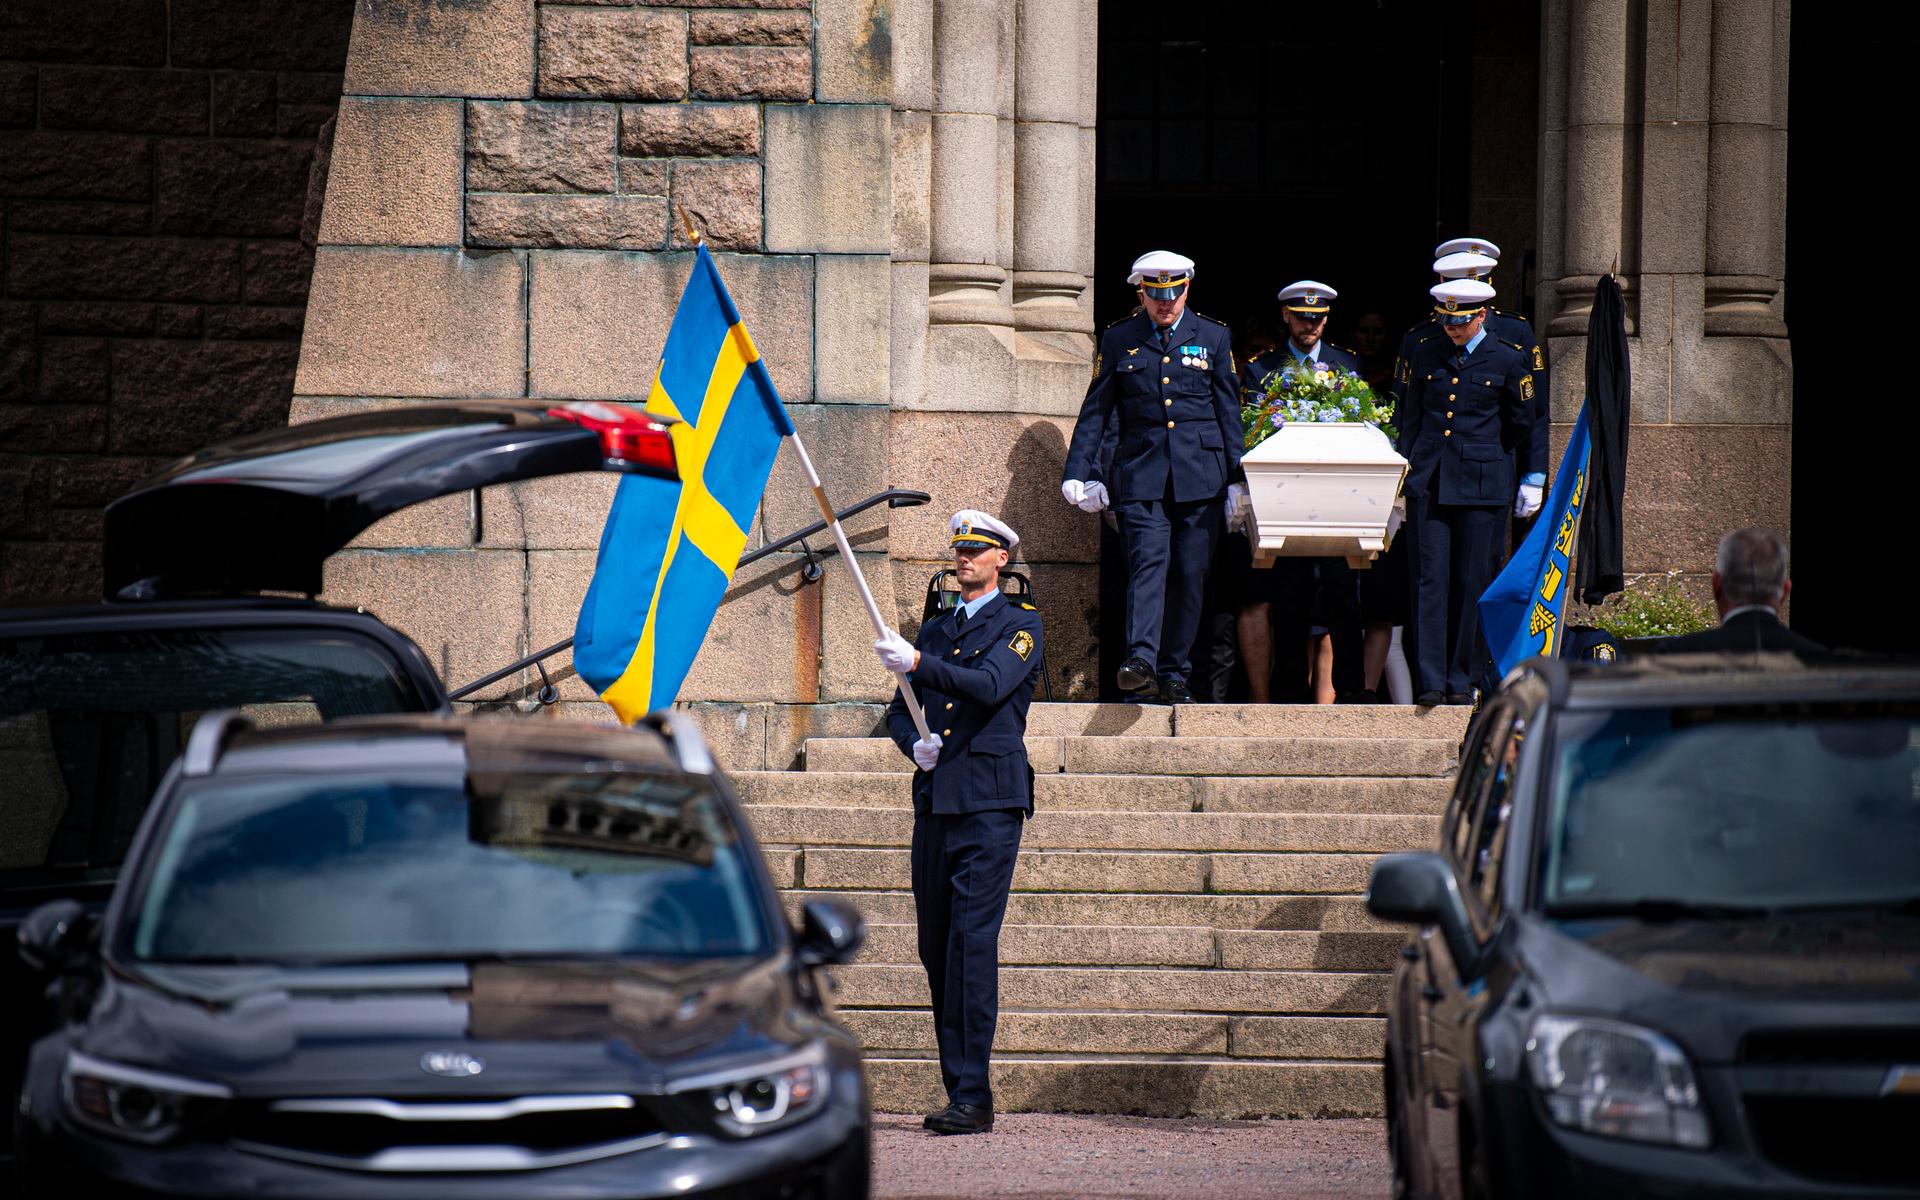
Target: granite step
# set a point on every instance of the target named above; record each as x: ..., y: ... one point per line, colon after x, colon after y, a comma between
x: 1208, y: 1087
x: 1312, y: 914
x: 910, y: 1031
x: 1118, y: 793
x: 1103, y: 871
x: 808, y: 825
x: 1318, y: 756
x: 1133, y: 989
x: 1159, y: 946
x: 1369, y: 721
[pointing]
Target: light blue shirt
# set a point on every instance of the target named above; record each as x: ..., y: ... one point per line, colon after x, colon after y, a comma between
x: 1474, y: 341
x: 1300, y: 355
x: 974, y: 606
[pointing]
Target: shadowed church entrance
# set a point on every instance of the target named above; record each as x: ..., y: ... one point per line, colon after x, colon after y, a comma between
x: 1338, y: 142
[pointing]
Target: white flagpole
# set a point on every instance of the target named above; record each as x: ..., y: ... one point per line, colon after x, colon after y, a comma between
x: 859, y: 580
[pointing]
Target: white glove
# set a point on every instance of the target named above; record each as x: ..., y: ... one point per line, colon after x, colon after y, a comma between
x: 926, y: 753
x: 1093, y: 498
x: 1527, y: 502
x: 1236, y: 493
x: 1074, y: 491
x: 896, y: 653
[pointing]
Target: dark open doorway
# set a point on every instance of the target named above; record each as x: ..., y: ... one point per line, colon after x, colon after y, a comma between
x: 1338, y: 142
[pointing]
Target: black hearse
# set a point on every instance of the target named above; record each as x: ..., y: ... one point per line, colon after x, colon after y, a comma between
x: 1670, y: 942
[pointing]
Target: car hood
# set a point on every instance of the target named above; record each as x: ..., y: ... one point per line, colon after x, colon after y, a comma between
x: 340, y: 1030
x: 1710, y: 982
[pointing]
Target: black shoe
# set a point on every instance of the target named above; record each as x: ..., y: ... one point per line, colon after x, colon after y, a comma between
x: 963, y: 1118
x: 1175, y: 691
x: 1429, y: 699
x: 1136, y: 674
x: 1459, y: 697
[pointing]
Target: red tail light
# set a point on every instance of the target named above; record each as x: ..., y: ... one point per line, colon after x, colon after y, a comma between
x: 630, y: 440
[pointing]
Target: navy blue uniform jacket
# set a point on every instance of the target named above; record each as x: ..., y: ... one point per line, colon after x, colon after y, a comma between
x: 1459, y: 424
x: 1156, y: 419
x: 975, y: 689
x: 1530, y: 453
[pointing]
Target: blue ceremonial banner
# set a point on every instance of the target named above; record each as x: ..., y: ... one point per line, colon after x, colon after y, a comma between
x: 669, y: 549
x: 1522, y: 611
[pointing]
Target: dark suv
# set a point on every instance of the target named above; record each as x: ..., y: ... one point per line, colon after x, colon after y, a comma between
x: 1670, y: 943
x: 427, y: 956
x: 99, y: 698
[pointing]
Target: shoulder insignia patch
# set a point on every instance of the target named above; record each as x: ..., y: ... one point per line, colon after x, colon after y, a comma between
x: 1526, y: 387
x: 1022, y: 644
x: 1097, y: 359
x: 1539, y: 359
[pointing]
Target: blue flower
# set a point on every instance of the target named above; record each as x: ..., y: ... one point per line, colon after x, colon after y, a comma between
x: 1328, y: 415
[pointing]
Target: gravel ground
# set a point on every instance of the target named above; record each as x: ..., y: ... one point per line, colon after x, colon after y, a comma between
x: 1044, y: 1157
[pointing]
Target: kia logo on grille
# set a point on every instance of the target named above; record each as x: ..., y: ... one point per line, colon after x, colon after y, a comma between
x: 451, y: 1063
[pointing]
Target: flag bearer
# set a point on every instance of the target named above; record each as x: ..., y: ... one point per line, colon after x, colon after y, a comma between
x: 974, y: 670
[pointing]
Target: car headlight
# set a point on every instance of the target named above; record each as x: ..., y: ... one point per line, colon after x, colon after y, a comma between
x: 1616, y: 1080
x: 138, y: 1105
x: 769, y: 1096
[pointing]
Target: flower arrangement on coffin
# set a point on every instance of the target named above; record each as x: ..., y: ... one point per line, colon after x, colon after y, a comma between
x: 1322, y: 475
x: 1314, y: 393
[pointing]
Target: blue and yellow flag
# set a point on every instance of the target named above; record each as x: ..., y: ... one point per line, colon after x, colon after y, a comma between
x: 669, y: 549
x: 1523, y: 609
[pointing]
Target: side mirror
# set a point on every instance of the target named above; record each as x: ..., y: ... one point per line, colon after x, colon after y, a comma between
x: 831, y: 933
x: 57, y: 937
x: 1421, y: 889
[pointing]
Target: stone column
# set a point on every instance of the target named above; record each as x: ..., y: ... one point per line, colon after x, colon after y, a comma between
x: 1593, y: 145
x: 1663, y: 149
x: 967, y: 281
x: 1746, y: 178
x: 1048, y: 240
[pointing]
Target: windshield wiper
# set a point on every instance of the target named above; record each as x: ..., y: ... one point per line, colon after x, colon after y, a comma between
x: 1663, y: 909
x: 1902, y: 905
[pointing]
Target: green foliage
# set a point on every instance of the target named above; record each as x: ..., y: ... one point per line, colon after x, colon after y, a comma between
x: 1653, y: 606
x: 1322, y: 395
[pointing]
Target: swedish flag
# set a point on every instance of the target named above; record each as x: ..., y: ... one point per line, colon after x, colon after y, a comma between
x: 669, y: 549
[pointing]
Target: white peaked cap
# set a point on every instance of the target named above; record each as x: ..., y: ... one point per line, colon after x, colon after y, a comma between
x: 1160, y: 262
x: 1467, y: 245
x: 1464, y: 264
x: 971, y: 527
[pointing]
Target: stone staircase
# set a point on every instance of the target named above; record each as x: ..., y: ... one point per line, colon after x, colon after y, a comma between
x: 1186, y: 935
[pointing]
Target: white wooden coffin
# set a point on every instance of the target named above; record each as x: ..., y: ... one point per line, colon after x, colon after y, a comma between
x: 1324, y: 490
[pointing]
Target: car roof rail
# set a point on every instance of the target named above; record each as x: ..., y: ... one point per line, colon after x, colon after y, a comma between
x: 683, y: 734
x: 209, y: 740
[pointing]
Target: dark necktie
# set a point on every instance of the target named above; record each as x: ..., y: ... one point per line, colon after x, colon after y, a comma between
x: 960, y: 617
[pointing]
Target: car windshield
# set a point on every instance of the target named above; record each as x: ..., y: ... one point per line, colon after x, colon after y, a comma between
x: 90, y: 721
x: 400, y: 868
x: 1734, y: 809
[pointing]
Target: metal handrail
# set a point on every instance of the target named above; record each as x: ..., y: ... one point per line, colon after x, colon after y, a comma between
x: 811, y: 569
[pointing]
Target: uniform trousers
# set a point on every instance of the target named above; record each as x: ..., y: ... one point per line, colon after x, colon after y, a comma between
x: 1455, y: 555
x: 1169, y: 545
x: 962, y: 867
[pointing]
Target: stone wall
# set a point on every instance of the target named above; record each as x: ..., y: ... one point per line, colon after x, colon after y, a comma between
x: 501, y: 220
x: 153, y: 174
x: 1663, y: 150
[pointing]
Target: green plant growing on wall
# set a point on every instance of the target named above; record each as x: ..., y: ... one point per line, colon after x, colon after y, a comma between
x: 1653, y: 606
